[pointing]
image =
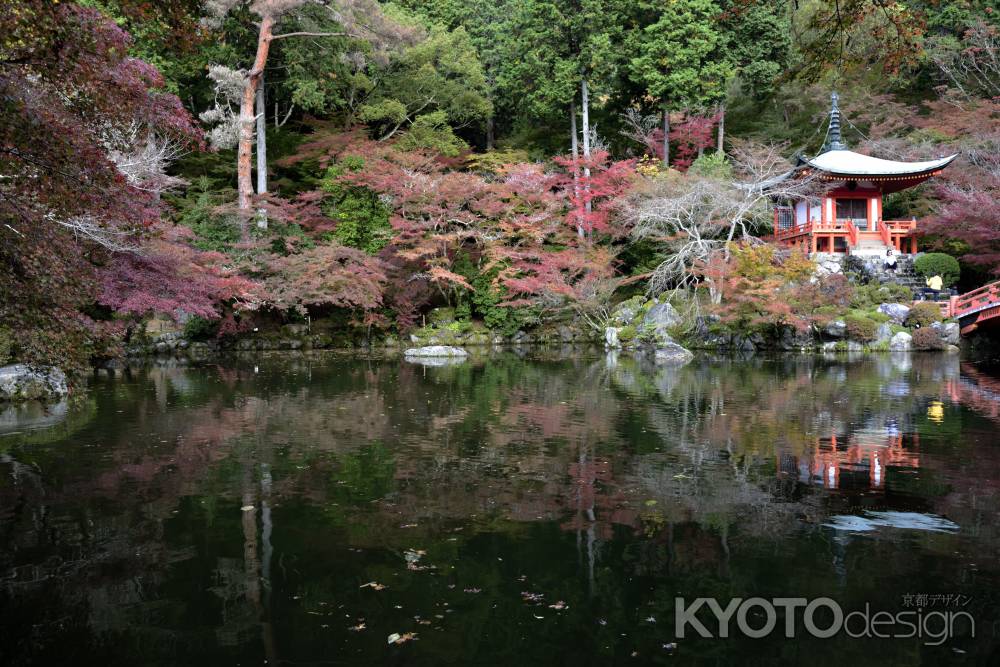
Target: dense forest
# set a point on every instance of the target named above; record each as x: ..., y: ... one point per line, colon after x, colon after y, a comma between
x: 235, y: 164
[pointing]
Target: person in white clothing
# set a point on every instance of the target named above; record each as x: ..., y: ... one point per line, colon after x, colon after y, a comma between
x: 890, y: 260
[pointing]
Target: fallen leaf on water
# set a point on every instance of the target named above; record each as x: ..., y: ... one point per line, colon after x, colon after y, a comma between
x: 357, y: 628
x: 527, y: 596
x: 538, y: 617
x: 473, y: 590
x: 247, y: 508
x: 374, y: 585
x: 396, y: 638
x: 560, y: 605
x: 393, y: 638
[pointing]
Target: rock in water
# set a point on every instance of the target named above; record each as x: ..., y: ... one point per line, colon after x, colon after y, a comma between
x: 897, y: 311
x: 21, y: 382
x: 901, y: 342
x: 950, y: 332
x: 674, y: 354
x: 436, y: 351
x: 884, y: 333
x: 611, y: 337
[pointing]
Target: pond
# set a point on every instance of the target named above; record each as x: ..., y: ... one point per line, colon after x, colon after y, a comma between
x: 539, y: 509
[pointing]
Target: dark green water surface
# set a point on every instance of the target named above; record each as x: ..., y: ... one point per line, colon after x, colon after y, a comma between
x: 547, y: 510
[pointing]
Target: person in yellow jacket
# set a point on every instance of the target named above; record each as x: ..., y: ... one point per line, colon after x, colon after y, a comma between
x: 935, y: 283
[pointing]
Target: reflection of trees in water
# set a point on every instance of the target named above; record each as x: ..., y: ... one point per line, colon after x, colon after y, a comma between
x: 691, y: 461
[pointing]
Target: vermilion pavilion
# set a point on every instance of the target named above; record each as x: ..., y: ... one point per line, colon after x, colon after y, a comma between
x: 847, y: 218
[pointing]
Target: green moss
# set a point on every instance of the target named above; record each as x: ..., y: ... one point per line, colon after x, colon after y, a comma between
x: 6, y: 346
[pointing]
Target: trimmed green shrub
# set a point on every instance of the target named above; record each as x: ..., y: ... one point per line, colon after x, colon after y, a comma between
x: 923, y: 314
x: 861, y: 329
x: 627, y: 333
x: 927, y: 338
x: 938, y: 264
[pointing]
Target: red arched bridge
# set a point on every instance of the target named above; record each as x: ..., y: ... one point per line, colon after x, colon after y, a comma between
x: 976, y: 308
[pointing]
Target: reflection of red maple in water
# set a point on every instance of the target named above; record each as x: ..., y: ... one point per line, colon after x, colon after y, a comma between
x: 597, y: 500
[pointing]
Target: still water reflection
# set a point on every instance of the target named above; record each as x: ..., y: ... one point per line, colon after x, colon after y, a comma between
x: 545, y: 510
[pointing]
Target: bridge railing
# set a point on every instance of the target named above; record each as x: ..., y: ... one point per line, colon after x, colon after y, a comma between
x: 974, y: 300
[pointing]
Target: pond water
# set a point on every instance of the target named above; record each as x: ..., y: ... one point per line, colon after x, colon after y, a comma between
x: 516, y: 510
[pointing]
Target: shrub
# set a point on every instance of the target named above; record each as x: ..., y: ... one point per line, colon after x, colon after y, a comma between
x: 362, y: 218
x: 493, y: 162
x: 199, y: 328
x: 927, y: 338
x: 627, y: 333
x: 432, y: 132
x: 938, y: 264
x: 923, y: 314
x: 712, y: 165
x: 861, y: 329
x: 872, y: 295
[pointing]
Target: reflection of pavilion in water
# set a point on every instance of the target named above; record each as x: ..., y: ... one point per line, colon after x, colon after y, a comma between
x: 859, y: 460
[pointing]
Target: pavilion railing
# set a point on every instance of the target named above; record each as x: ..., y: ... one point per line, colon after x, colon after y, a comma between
x: 883, y: 231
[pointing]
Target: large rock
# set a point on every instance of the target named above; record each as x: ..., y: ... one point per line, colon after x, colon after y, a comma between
x: 898, y: 312
x: 673, y: 354
x: 794, y: 339
x: 884, y: 333
x: 435, y: 351
x: 950, y: 332
x: 836, y: 329
x: 901, y: 342
x: 611, y: 337
x: 827, y: 266
x: 21, y: 382
x: 661, y: 316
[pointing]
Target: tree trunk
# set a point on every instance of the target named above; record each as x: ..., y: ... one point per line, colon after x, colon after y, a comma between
x: 489, y: 133
x: 666, y: 136
x: 585, y: 101
x: 244, y: 171
x: 261, y: 151
x: 722, y: 127
x: 575, y: 148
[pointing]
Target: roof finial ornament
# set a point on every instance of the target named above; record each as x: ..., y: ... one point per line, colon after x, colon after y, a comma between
x: 834, y: 141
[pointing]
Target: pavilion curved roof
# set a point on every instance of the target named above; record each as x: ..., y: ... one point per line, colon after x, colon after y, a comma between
x: 850, y: 164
